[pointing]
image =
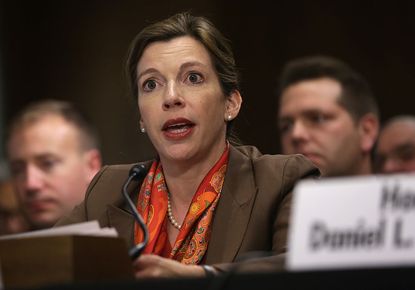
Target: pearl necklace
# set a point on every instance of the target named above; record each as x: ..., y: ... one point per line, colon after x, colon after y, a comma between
x: 170, y: 215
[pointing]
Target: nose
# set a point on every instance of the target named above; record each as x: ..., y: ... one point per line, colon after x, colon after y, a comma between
x: 299, y: 131
x: 173, y: 97
x: 33, y: 179
x: 294, y: 138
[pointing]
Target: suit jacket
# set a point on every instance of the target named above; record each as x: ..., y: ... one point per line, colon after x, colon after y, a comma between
x: 251, y: 216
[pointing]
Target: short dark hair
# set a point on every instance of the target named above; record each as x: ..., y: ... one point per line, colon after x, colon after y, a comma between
x: 37, y: 110
x: 356, y: 97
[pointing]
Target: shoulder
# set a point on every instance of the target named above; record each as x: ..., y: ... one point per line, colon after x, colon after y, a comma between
x: 275, y: 161
x: 110, y: 175
x: 108, y: 182
x: 288, y: 168
x: 113, y: 173
x: 114, y: 170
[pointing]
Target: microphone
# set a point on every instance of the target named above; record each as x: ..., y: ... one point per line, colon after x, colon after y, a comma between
x: 137, y: 172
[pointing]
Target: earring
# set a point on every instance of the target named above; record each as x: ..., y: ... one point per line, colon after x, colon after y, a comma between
x: 143, y: 130
x: 229, y: 117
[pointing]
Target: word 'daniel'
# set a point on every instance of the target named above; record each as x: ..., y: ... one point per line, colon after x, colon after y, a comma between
x: 353, y: 222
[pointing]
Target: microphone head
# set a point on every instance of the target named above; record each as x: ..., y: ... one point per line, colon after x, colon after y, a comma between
x: 138, y: 171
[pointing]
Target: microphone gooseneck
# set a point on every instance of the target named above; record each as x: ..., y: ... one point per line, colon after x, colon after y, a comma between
x: 137, y: 172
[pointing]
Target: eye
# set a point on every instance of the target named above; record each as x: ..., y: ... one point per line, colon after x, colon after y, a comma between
x: 195, y: 78
x: 318, y: 118
x: 48, y: 164
x: 17, y: 168
x: 149, y: 85
x: 285, y: 126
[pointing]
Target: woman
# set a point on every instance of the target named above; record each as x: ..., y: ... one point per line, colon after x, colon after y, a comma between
x: 204, y: 201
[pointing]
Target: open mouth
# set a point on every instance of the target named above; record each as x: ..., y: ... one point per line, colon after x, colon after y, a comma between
x: 177, y: 128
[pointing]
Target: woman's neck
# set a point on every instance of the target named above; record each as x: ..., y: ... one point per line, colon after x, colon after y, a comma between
x: 183, y: 178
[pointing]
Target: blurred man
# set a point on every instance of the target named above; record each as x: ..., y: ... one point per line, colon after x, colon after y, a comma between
x: 328, y: 113
x: 53, y: 155
x: 396, y: 146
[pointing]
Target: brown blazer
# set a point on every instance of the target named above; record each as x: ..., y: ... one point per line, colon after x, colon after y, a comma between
x: 251, y: 216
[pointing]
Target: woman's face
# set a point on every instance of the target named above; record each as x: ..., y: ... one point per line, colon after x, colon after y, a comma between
x: 182, y: 106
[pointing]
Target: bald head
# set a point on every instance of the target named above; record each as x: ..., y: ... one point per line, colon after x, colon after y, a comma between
x: 396, y: 146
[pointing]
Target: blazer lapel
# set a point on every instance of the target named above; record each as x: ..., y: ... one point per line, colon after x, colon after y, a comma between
x: 234, y: 209
x: 120, y: 216
x: 123, y: 222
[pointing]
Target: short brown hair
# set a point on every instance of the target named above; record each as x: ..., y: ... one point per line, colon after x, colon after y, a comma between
x: 37, y: 110
x: 357, y: 97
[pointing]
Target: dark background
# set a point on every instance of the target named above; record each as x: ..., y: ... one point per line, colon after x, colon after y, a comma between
x: 75, y: 50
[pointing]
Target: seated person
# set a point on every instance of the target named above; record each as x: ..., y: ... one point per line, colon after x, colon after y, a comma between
x: 395, y: 150
x: 53, y: 155
x: 327, y: 112
x: 205, y: 201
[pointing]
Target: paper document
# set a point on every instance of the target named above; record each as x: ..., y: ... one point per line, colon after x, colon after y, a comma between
x: 90, y: 228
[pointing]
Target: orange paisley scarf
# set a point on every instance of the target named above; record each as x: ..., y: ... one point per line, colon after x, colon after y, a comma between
x: 192, y: 241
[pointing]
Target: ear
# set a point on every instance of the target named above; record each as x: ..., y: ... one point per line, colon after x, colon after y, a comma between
x: 233, y: 105
x: 369, y: 131
x: 93, y: 162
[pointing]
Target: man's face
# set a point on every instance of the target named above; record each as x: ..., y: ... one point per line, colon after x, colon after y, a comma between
x: 312, y: 123
x: 49, y: 170
x: 396, y: 148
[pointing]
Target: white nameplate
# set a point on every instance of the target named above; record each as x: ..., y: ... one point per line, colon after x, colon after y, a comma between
x: 353, y: 222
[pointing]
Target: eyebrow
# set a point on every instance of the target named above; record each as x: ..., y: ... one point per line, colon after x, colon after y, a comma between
x: 147, y: 71
x: 190, y: 64
x: 304, y: 113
